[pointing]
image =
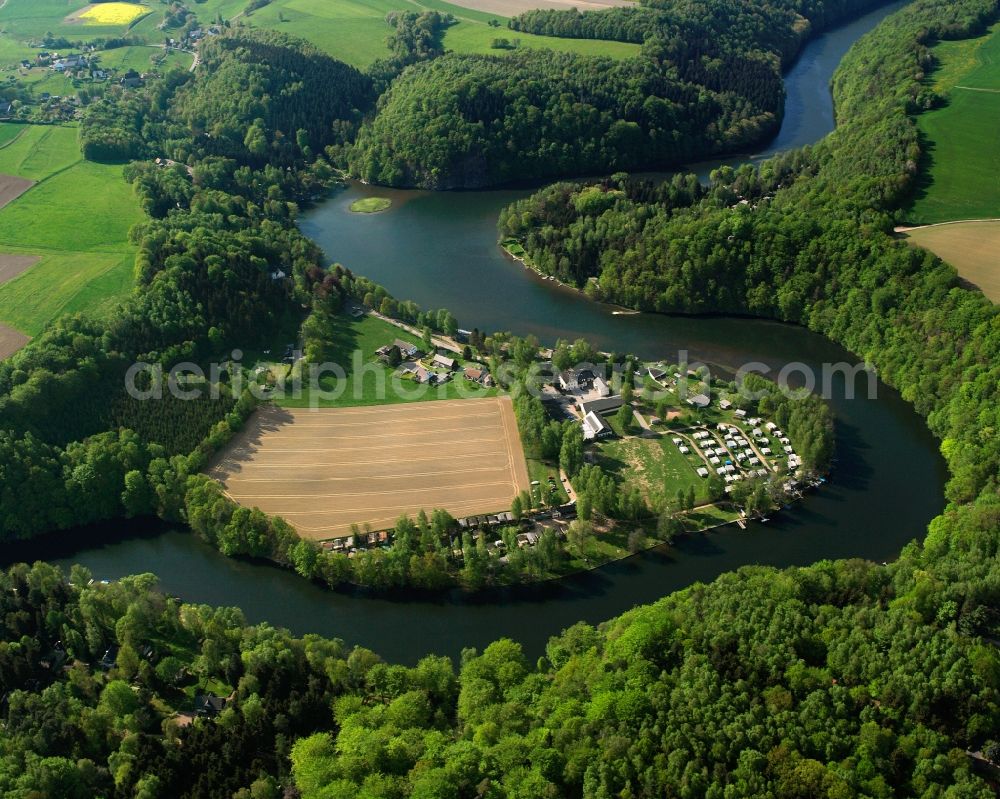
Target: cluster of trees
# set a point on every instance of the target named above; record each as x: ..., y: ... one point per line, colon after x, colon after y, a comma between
x: 261, y: 98
x: 794, y: 683
x: 804, y: 417
x: 686, y: 32
x: 416, y: 36
x: 708, y: 81
x: 429, y: 552
x: 265, y: 98
x: 114, y: 474
x: 463, y: 121
x: 220, y: 266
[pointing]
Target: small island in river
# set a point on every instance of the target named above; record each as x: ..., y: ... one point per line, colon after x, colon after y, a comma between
x: 371, y: 205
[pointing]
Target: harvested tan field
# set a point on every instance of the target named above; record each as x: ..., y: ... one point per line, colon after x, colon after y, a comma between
x: 13, y: 265
x: 12, y: 187
x: 324, y: 470
x: 11, y: 341
x: 511, y: 8
x: 973, y: 248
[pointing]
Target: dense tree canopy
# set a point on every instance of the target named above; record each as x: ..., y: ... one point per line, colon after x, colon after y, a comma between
x: 708, y: 81
x: 839, y: 679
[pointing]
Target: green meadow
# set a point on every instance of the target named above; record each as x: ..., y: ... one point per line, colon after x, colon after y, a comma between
x: 76, y: 217
x: 655, y: 466
x: 355, y: 30
x: 32, y: 19
x: 351, y: 339
x: 959, y: 178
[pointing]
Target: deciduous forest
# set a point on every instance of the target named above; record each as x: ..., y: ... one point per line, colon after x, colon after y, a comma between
x: 840, y: 679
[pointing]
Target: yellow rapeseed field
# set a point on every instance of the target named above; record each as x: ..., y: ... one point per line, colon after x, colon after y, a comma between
x: 112, y: 13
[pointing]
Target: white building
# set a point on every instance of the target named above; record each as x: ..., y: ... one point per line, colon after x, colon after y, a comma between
x: 594, y: 427
x: 568, y: 381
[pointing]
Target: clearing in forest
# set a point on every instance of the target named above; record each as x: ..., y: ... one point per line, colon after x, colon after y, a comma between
x: 327, y: 469
x: 355, y: 31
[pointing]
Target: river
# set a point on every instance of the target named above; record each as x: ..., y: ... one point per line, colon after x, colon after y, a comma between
x: 440, y: 250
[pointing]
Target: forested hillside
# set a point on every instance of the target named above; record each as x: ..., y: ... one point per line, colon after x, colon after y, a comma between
x: 75, y: 447
x: 260, y: 97
x: 479, y: 120
x: 708, y: 81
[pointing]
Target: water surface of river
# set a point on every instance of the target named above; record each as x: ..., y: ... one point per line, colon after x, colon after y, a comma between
x: 440, y: 250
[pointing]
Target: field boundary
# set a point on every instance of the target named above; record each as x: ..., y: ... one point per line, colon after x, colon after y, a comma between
x: 910, y: 228
x: 324, y: 470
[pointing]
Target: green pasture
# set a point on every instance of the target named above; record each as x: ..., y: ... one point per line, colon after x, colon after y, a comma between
x: 355, y: 30
x: 352, y: 30
x: 963, y: 146
x: 76, y: 217
x: 32, y: 19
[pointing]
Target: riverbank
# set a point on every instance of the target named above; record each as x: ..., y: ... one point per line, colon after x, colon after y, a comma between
x: 446, y: 246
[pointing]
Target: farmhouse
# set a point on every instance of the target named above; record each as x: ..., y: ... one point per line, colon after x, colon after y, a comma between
x: 601, y: 387
x: 600, y: 405
x: 70, y: 62
x: 594, y: 427
x: 699, y: 401
x: 568, y: 380
x: 444, y: 362
x: 477, y: 375
x: 209, y: 705
x: 406, y: 350
x: 131, y: 80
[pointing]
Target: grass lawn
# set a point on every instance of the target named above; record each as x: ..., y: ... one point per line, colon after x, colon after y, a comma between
x: 9, y: 132
x: 368, y: 381
x: 370, y: 205
x: 541, y: 494
x: 653, y: 465
x: 709, y: 516
x: 467, y: 37
x: 355, y: 30
x: 959, y: 178
x: 76, y: 217
x: 143, y: 58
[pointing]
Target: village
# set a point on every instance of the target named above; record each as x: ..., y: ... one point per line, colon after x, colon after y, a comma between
x: 63, y: 77
x: 673, y: 431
